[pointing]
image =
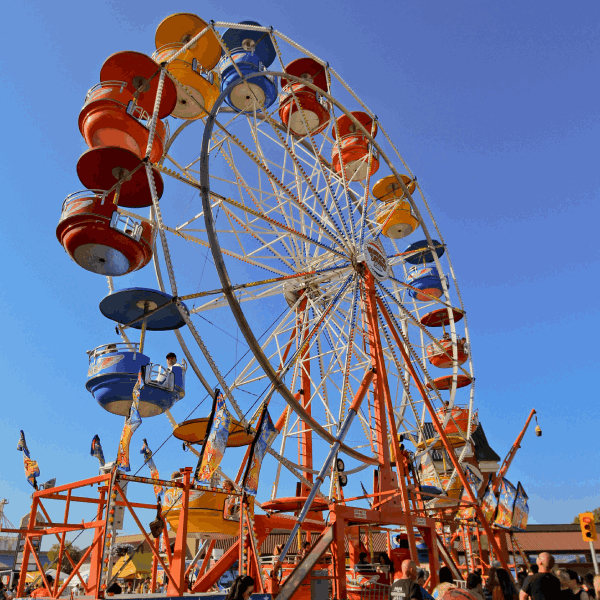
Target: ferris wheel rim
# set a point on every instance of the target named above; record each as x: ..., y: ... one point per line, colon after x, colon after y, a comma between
x: 206, y: 191
x: 235, y: 308
x: 222, y: 269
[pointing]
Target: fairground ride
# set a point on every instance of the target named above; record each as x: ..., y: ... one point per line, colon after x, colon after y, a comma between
x: 328, y: 260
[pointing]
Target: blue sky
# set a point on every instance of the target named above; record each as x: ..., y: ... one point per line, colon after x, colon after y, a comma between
x: 493, y: 105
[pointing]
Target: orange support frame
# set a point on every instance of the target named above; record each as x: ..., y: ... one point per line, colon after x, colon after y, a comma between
x: 175, y: 571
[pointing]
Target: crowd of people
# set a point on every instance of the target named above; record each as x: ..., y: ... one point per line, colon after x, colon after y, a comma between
x: 541, y: 581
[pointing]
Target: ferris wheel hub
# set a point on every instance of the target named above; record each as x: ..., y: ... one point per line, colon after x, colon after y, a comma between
x: 375, y: 257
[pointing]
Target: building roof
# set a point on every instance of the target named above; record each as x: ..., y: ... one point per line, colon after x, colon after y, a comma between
x: 483, y: 450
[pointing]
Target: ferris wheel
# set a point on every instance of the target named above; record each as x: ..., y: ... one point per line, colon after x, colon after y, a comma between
x: 325, y: 250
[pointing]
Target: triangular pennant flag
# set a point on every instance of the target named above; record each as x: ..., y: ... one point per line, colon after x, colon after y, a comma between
x: 32, y: 469
x: 158, y: 489
x: 215, y: 444
x: 96, y: 450
x: 265, y: 434
x: 131, y: 424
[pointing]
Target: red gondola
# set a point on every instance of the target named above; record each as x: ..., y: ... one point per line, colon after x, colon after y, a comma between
x: 442, y: 358
x: 110, y: 117
x: 308, y: 112
x: 101, y: 239
x: 141, y: 74
x: 354, y: 146
x: 101, y: 168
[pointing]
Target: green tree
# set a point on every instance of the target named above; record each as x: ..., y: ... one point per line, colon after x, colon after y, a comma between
x: 75, y: 552
x: 595, y: 512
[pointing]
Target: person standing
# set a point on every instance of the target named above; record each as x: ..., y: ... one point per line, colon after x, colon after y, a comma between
x: 406, y: 588
x: 573, y: 582
x: 474, y: 585
x: 544, y: 585
x: 446, y: 582
x: 505, y: 590
x: 241, y: 589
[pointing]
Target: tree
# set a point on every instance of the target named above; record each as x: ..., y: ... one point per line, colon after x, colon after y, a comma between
x: 595, y: 512
x: 75, y: 552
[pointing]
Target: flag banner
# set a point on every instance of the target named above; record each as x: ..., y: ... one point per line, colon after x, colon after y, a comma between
x: 131, y: 424
x: 148, y: 460
x: 265, y: 434
x: 215, y: 439
x: 506, y: 504
x: 467, y: 513
x: 489, y: 503
x: 32, y: 469
x: 521, y: 511
x: 96, y: 450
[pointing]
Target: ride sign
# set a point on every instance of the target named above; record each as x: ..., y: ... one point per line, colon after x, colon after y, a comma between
x: 375, y: 258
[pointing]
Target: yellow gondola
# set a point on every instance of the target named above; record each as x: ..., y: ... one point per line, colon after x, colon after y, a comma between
x: 394, y: 213
x: 211, y: 514
x: 192, y: 68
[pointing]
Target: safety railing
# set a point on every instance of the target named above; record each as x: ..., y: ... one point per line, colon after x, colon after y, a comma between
x: 104, y: 87
x: 157, y: 376
x: 126, y: 225
x: 116, y: 348
x: 67, y: 204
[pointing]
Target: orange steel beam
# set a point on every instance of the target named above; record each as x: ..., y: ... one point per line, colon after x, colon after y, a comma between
x: 382, y: 441
x: 39, y: 564
x: 179, y: 587
x: 96, y: 501
x: 511, y: 454
x: 93, y: 586
x: 155, y: 565
x: 62, y: 541
x: 71, y: 486
x: 440, y: 430
x: 25, y: 563
x: 147, y: 538
x: 78, y: 565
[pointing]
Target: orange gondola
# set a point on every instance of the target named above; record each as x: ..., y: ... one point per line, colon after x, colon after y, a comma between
x: 101, y: 239
x: 110, y: 117
x: 459, y: 423
x: 302, y: 109
x: 443, y: 357
x: 445, y: 382
x: 354, y: 147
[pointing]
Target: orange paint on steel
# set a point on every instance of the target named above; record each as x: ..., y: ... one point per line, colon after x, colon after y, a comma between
x: 378, y: 361
x: 440, y: 430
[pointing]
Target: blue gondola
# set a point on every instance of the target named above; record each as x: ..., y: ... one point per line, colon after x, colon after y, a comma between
x: 426, y: 280
x: 114, y: 368
x: 252, y: 52
x: 426, y: 256
x: 113, y: 371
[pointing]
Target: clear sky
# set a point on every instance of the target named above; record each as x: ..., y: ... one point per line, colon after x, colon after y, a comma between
x: 495, y: 107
